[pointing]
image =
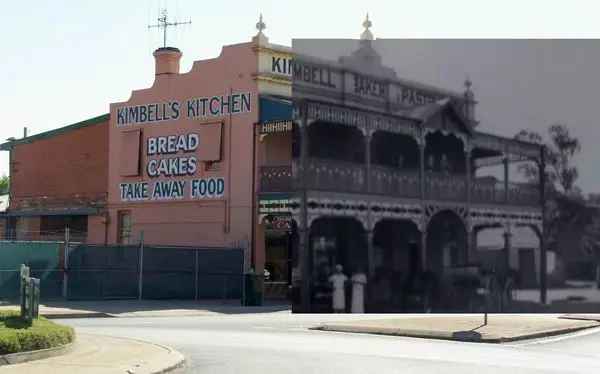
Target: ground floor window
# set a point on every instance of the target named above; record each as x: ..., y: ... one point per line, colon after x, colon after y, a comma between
x: 54, y: 227
x: 124, y: 227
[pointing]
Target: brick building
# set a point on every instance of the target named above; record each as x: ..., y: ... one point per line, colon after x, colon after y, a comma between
x: 58, y: 179
x: 180, y: 163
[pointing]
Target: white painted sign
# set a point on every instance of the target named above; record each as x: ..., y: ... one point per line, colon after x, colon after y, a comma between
x: 202, y: 188
x: 194, y: 108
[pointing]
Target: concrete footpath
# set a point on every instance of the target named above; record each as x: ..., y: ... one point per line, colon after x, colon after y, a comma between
x: 147, y: 308
x: 499, y: 329
x: 96, y: 354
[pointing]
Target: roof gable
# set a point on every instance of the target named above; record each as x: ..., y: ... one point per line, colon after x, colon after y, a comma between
x: 442, y: 115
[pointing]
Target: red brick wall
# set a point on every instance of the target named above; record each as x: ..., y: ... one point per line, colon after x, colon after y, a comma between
x: 61, y: 167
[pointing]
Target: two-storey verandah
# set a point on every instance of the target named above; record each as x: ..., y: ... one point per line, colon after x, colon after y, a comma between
x: 397, y: 195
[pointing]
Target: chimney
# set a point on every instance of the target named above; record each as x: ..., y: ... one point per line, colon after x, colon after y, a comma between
x: 167, y: 60
x: 24, y: 132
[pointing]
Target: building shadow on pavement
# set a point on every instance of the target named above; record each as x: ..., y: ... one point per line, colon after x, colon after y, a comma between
x: 116, y: 308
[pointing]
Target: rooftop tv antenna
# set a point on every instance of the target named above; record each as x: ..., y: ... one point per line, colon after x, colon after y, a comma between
x: 164, y: 24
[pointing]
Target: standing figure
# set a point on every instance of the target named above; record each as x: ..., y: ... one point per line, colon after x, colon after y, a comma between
x: 359, y: 280
x: 400, y: 162
x: 338, y: 281
x: 430, y: 163
x: 445, y: 166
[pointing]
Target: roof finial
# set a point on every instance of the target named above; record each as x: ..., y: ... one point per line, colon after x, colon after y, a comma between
x: 260, y: 25
x: 367, y: 34
x: 468, y: 92
x: 468, y: 82
x: 260, y: 38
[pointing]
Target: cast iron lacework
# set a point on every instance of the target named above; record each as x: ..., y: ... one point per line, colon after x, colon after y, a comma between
x: 485, y: 217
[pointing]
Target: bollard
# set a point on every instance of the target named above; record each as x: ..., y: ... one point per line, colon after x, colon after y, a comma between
x: 24, y: 289
x: 30, y: 295
x: 35, y: 298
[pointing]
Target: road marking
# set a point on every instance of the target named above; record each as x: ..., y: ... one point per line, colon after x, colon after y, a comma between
x: 553, y: 339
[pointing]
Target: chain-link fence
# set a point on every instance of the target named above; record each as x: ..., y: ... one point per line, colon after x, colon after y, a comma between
x: 154, y: 272
x: 93, y: 272
x: 44, y: 261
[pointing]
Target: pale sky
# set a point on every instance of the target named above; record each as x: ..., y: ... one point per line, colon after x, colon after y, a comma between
x: 65, y: 61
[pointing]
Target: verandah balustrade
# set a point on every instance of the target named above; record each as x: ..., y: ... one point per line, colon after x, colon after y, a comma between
x: 349, y: 177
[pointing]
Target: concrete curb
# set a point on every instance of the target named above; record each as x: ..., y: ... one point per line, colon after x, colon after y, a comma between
x: 461, y: 336
x: 76, y: 315
x: 582, y: 317
x: 179, y: 357
x: 180, y: 360
x: 21, y: 357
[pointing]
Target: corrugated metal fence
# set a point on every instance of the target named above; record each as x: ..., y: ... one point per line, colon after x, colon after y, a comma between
x: 119, y: 272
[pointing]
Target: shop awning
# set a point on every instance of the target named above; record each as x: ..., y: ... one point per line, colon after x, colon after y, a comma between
x: 275, y: 115
x: 75, y: 211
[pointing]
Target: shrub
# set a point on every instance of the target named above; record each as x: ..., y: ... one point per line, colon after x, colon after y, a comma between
x: 17, y: 336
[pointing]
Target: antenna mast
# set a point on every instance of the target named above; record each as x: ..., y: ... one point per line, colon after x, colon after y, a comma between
x: 164, y: 23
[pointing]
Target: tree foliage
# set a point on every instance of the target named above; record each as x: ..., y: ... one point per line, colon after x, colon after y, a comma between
x: 561, y: 150
x: 571, y: 224
x: 4, y: 184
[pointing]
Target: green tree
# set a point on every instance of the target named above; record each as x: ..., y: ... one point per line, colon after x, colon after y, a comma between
x: 561, y: 150
x: 572, y: 225
x: 4, y: 184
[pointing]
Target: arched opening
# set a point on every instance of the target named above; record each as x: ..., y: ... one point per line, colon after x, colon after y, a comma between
x: 446, y: 242
x: 397, y: 151
x: 444, y: 153
x: 526, y: 243
x: 396, y: 264
x: 332, y: 241
x: 336, y: 142
x: 488, y: 252
x: 446, y: 256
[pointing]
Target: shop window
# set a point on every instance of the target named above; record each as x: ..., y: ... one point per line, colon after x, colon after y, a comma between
x: 130, y: 153
x: 124, y: 227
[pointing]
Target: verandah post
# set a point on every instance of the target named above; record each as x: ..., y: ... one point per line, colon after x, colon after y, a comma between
x: 542, y: 176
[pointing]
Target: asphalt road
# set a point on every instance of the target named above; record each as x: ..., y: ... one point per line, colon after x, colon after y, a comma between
x: 280, y: 343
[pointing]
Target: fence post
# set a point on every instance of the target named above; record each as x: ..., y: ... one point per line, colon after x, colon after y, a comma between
x: 66, y: 262
x: 243, y: 281
x: 141, y: 267
x: 196, y: 275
